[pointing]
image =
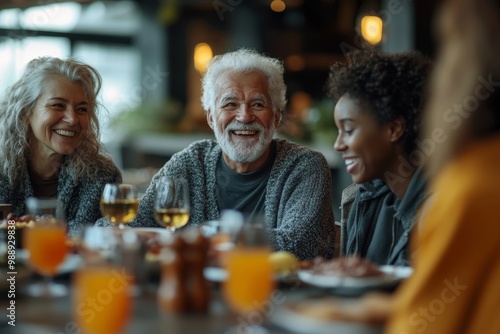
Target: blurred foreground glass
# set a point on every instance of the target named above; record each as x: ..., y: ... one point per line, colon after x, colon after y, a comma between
x: 250, y: 281
x: 119, y: 203
x: 172, y: 206
x: 222, y: 234
x: 102, y: 302
x: 45, y: 242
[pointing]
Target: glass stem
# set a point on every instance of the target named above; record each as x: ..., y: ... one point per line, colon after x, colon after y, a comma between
x: 46, y: 287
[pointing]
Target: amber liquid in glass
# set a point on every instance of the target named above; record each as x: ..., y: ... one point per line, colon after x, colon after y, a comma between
x: 47, y: 247
x: 250, y: 279
x: 121, y: 211
x: 172, y: 218
x: 108, y: 288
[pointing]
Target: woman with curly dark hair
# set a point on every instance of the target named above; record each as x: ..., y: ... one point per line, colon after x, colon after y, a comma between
x: 379, y: 100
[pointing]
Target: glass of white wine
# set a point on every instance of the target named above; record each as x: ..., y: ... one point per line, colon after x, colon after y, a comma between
x: 172, y: 204
x: 119, y: 203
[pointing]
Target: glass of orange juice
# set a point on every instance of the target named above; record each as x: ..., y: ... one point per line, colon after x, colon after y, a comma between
x: 102, y: 300
x: 45, y: 242
x: 250, y: 280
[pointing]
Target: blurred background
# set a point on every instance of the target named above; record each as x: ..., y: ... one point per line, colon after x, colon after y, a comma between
x: 152, y: 54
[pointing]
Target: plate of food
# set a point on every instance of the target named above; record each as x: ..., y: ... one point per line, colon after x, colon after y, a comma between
x: 352, y: 273
x: 19, y: 224
x: 365, y: 315
x: 151, y: 238
x: 285, y: 266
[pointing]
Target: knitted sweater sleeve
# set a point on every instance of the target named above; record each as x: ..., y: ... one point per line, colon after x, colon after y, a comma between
x: 173, y: 168
x: 193, y: 164
x: 299, y: 203
x: 80, y: 198
x: 82, y: 202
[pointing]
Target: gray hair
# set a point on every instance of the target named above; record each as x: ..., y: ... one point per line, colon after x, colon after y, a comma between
x: 19, y: 102
x: 245, y: 60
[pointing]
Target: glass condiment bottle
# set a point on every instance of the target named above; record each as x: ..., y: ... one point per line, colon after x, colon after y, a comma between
x: 195, y: 255
x: 171, y: 293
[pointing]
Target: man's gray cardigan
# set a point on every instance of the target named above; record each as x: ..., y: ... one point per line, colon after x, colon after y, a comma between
x: 298, y: 201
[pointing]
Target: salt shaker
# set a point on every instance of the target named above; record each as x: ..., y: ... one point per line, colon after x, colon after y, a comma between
x: 171, y: 293
x: 195, y: 255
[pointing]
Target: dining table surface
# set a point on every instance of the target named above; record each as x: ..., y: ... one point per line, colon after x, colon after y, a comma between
x: 55, y: 315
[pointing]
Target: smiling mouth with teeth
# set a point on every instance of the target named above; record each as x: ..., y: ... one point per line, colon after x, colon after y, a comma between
x: 65, y: 133
x: 244, y: 132
x: 349, y: 161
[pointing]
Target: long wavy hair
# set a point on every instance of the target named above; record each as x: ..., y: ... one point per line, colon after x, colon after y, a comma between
x: 462, y: 104
x: 17, y: 107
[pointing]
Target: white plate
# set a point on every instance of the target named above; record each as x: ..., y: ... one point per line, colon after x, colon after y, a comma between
x: 398, y: 271
x: 215, y: 274
x: 296, y: 322
x: 158, y: 229
x: 393, y: 275
x: 218, y: 274
x: 149, y: 232
x: 71, y: 263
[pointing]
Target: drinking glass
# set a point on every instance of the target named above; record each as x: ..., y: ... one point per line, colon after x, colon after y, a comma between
x: 104, y: 280
x: 250, y: 280
x: 222, y: 234
x: 172, y: 205
x: 119, y: 203
x: 45, y: 242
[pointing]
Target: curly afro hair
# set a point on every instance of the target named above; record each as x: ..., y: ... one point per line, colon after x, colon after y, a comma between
x: 392, y: 85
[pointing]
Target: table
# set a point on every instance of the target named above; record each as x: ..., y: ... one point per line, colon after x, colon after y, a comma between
x: 55, y: 316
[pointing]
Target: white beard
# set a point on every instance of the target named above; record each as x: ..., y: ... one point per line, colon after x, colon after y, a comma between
x: 244, y: 151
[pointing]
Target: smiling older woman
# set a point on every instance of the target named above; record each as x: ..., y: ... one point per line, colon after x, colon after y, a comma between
x: 49, y: 140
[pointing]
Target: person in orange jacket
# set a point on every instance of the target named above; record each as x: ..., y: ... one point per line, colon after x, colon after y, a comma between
x: 455, y: 285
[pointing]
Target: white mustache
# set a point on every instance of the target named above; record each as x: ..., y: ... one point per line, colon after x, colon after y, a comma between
x: 237, y: 126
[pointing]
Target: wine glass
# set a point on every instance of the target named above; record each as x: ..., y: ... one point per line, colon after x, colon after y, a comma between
x: 45, y: 242
x: 171, y: 208
x: 250, y: 280
x: 119, y: 203
x: 104, y: 280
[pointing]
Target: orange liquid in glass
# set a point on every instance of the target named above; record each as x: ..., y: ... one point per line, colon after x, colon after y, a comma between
x: 47, y: 247
x: 102, y: 302
x: 250, y: 279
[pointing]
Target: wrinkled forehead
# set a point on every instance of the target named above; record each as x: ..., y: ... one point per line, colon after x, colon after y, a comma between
x: 248, y: 85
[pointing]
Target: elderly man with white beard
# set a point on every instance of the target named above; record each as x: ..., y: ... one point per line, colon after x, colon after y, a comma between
x: 245, y: 168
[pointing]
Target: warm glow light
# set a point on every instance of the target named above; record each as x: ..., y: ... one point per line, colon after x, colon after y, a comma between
x: 278, y: 6
x: 202, y: 54
x: 295, y: 63
x: 371, y: 29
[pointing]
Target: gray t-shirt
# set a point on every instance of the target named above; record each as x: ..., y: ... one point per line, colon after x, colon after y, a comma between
x: 243, y: 192
x: 298, y: 204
